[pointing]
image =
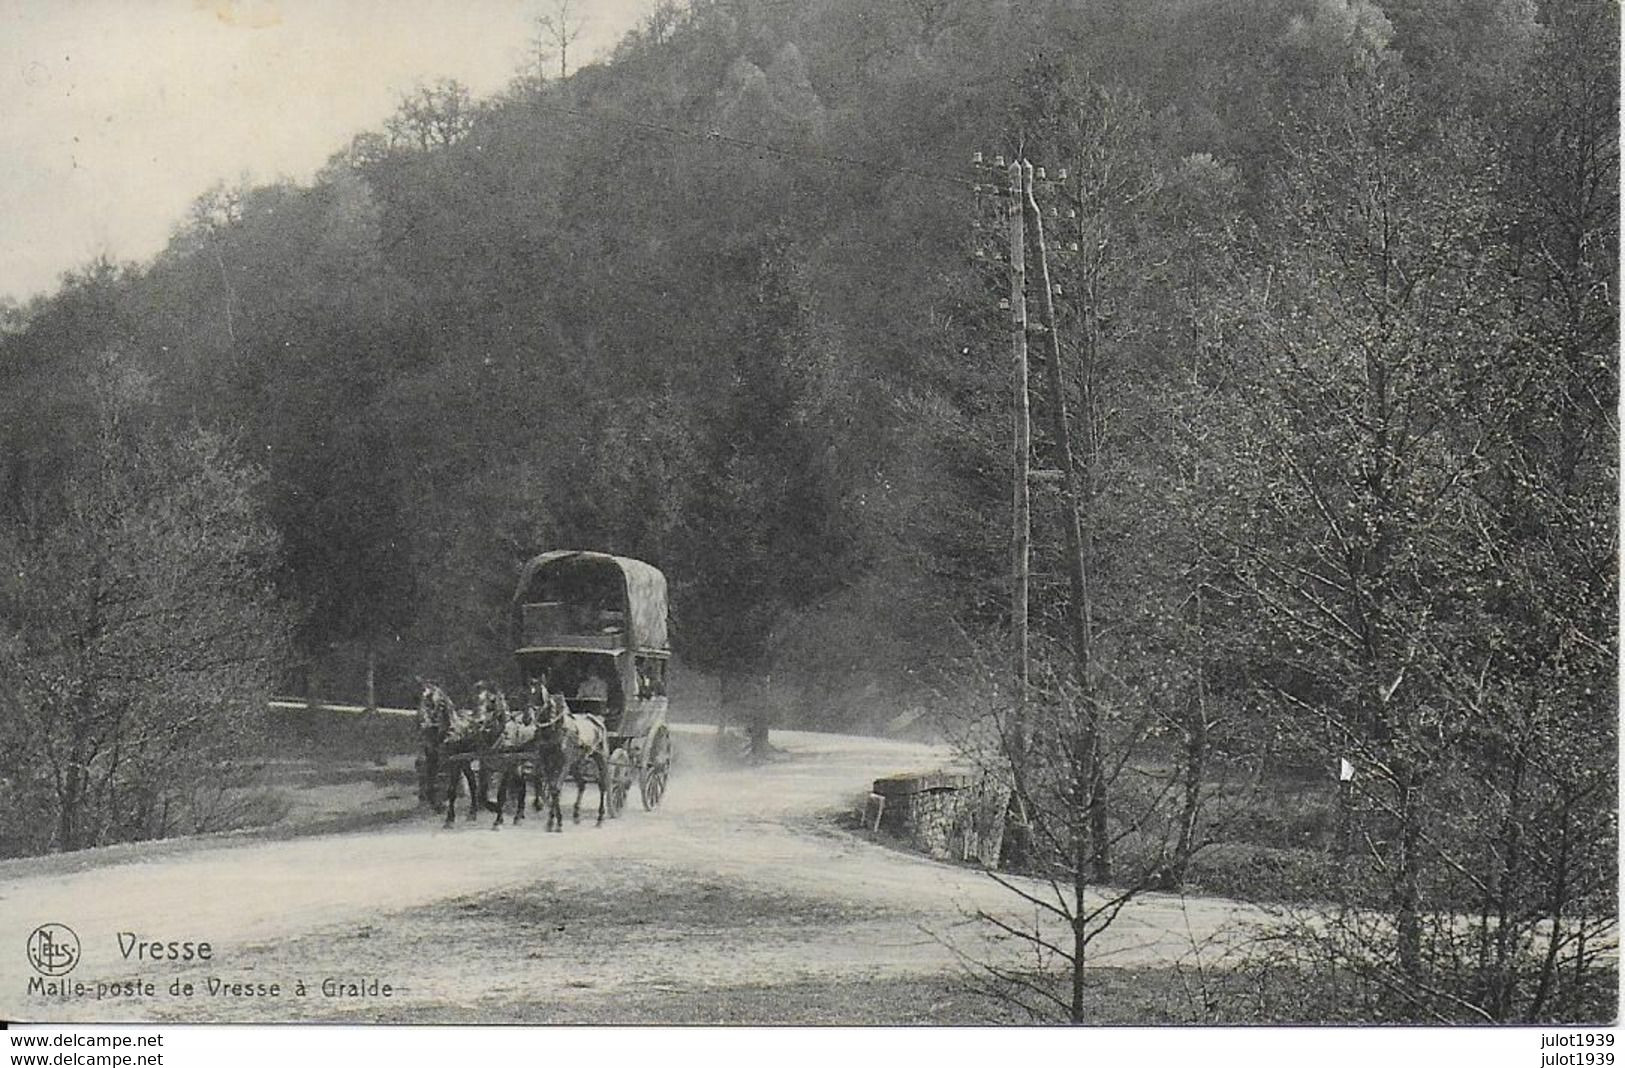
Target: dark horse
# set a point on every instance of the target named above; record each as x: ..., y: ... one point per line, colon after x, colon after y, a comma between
x: 451, y: 736
x: 565, y: 744
x: 435, y: 712
x: 514, y: 757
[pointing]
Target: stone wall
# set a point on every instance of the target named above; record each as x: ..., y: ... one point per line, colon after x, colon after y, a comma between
x: 948, y: 814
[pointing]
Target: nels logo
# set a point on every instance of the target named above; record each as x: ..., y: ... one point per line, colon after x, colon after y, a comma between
x: 53, y: 949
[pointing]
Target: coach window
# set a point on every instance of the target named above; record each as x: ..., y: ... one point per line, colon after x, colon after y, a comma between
x: 651, y: 677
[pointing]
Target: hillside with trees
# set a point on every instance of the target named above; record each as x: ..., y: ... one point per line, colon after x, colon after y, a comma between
x: 1337, y: 307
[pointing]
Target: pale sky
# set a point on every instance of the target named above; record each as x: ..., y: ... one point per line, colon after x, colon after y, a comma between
x: 116, y: 114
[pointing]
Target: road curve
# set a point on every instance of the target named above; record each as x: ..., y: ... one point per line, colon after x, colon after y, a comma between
x: 810, y: 904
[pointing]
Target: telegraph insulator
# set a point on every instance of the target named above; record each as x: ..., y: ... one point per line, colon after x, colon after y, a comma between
x: 1056, y: 289
x: 1060, y: 175
x: 1039, y: 174
x: 1071, y: 213
x: 998, y: 161
x: 1004, y: 303
x: 1072, y: 246
x: 976, y: 158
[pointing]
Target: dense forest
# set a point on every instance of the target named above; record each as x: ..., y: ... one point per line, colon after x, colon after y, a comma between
x: 1337, y: 288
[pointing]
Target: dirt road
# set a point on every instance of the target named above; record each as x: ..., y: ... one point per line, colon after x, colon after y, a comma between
x: 739, y: 879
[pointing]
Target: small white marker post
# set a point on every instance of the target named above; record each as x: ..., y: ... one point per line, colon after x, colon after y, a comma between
x: 873, y: 809
x: 1345, y: 791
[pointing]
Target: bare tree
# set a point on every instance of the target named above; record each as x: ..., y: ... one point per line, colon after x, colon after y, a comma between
x: 1076, y: 757
x: 208, y: 225
x: 432, y: 116
x: 557, y: 29
x: 138, y: 632
x: 1434, y: 596
x: 661, y: 20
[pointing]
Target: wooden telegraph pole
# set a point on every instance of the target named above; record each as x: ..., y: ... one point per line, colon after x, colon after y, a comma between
x: 1006, y: 184
x: 1021, y: 536
x: 1077, y: 489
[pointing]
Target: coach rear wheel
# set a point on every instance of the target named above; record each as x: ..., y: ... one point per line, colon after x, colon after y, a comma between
x: 656, y: 768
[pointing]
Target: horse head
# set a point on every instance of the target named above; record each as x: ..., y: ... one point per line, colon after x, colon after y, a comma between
x: 490, y: 712
x: 489, y: 702
x: 435, y: 709
x: 544, y: 707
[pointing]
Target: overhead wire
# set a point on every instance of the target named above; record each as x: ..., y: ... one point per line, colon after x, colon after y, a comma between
x: 718, y: 137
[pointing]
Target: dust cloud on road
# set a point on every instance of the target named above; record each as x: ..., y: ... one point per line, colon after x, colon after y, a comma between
x: 740, y: 877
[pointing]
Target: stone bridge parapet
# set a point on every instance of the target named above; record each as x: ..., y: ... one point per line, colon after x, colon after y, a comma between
x: 947, y: 813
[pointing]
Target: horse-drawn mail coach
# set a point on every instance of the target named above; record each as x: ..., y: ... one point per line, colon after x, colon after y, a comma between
x: 594, y: 627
